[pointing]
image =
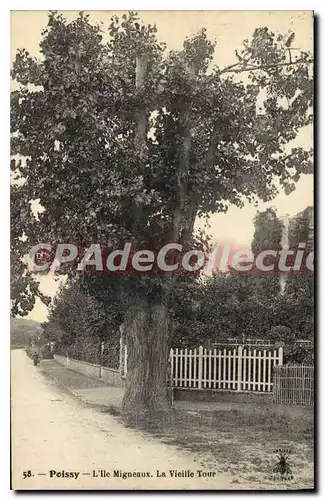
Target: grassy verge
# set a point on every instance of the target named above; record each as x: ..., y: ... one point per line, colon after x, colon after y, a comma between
x: 240, y: 439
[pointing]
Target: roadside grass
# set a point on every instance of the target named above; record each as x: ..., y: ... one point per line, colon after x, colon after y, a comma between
x: 241, y: 441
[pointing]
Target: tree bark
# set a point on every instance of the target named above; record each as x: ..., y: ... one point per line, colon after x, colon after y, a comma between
x: 146, y: 323
x: 141, y: 117
x: 148, y: 350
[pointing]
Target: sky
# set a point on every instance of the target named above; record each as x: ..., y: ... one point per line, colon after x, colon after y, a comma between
x: 229, y: 29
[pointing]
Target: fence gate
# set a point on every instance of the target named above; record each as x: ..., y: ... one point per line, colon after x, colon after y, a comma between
x: 235, y: 369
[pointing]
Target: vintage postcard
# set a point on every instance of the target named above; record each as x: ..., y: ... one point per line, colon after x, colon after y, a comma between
x: 162, y: 250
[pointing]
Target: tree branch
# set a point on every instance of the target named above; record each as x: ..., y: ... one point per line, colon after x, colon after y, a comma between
x: 183, y: 170
x: 230, y: 69
x: 141, y: 115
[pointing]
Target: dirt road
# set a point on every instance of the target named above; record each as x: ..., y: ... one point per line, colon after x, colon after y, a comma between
x: 58, y: 443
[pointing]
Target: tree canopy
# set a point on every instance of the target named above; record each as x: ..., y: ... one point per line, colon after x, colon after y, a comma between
x: 122, y: 139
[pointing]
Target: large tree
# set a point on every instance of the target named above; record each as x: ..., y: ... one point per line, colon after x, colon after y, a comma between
x: 123, y: 140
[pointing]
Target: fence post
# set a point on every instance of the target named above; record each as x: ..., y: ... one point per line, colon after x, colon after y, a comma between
x: 121, y: 355
x: 200, y: 366
x: 239, y: 368
x: 170, y: 368
x: 121, y: 349
x: 102, y: 347
x: 171, y: 364
x: 280, y: 362
x: 275, y: 385
x: 125, y: 361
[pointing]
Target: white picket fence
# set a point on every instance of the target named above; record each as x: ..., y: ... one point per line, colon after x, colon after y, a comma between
x: 226, y: 369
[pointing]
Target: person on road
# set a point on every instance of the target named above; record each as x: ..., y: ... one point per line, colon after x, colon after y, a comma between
x: 35, y: 358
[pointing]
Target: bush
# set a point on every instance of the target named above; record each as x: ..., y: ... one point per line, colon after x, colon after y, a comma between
x: 299, y: 353
x: 88, y: 349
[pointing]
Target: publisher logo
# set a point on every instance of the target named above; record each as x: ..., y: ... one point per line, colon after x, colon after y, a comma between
x: 282, y: 469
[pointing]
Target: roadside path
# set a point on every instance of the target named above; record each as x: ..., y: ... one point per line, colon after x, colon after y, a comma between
x: 53, y: 431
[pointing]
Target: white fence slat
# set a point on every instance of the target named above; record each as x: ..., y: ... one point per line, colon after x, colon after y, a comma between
x: 259, y: 370
x: 254, y: 369
x: 229, y: 370
x: 200, y: 367
x: 176, y: 367
x: 239, y: 369
x: 224, y: 368
x: 234, y: 369
x: 219, y: 369
x: 244, y: 370
x: 183, y: 368
x: 210, y: 369
x: 264, y: 370
x: 249, y: 377
x: 269, y: 371
x: 180, y: 367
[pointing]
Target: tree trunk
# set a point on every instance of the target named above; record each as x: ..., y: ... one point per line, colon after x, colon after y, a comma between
x: 146, y: 327
x: 146, y: 323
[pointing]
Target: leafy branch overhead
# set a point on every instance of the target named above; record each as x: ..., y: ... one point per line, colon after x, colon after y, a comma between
x: 122, y: 139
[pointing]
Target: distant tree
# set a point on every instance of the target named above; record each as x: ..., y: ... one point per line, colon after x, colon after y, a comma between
x: 300, y: 296
x: 85, y: 306
x: 299, y: 227
x: 300, y: 286
x: 236, y: 305
x: 267, y: 231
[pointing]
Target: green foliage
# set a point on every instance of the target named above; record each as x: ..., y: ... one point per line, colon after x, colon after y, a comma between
x: 23, y: 286
x: 267, y: 233
x: 85, y: 312
x: 298, y: 231
x: 299, y: 354
x: 76, y: 148
x: 280, y: 334
x: 233, y: 305
x: 80, y: 309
